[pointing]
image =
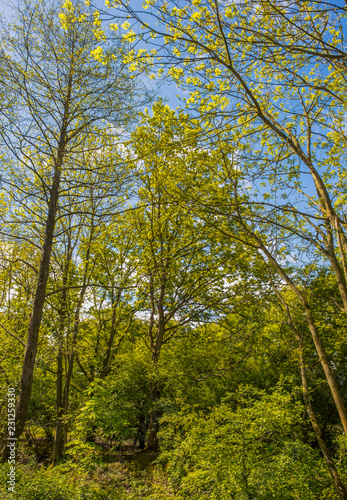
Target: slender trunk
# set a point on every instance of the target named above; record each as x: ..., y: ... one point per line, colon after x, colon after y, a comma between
x: 156, y: 342
x: 313, y: 330
x: 26, y: 382
x: 326, y: 367
x: 36, y: 315
x: 76, y: 324
x: 71, y: 358
x: 314, y: 422
x: 58, y: 436
x: 106, y: 366
x: 153, y: 443
x: 318, y: 432
x: 112, y: 351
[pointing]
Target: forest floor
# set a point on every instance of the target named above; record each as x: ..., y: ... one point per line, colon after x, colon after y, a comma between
x: 117, y: 474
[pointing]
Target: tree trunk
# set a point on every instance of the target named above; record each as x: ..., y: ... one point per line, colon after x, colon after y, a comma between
x: 106, y: 366
x: 314, y: 422
x: 141, y: 433
x: 76, y: 324
x: 58, y: 436
x: 318, y: 432
x: 36, y: 315
x: 71, y: 358
x: 312, y: 327
x: 153, y: 443
x: 26, y: 382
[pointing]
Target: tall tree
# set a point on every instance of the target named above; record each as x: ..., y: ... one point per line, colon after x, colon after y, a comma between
x: 271, y: 76
x: 184, y: 271
x: 83, y: 216
x: 63, y: 95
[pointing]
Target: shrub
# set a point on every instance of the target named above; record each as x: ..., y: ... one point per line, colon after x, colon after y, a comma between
x: 249, y: 446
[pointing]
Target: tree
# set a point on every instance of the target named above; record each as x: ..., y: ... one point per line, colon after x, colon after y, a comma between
x: 267, y: 79
x: 73, y: 264
x: 63, y: 96
x: 78, y: 269
x: 181, y: 273
x: 306, y: 393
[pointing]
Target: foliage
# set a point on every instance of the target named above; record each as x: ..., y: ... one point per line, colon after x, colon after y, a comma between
x: 249, y: 446
x: 36, y: 483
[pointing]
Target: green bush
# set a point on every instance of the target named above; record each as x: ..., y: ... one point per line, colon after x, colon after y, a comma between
x: 38, y: 483
x: 249, y: 446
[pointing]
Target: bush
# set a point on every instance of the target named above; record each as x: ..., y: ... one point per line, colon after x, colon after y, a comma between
x: 38, y: 483
x: 249, y: 446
